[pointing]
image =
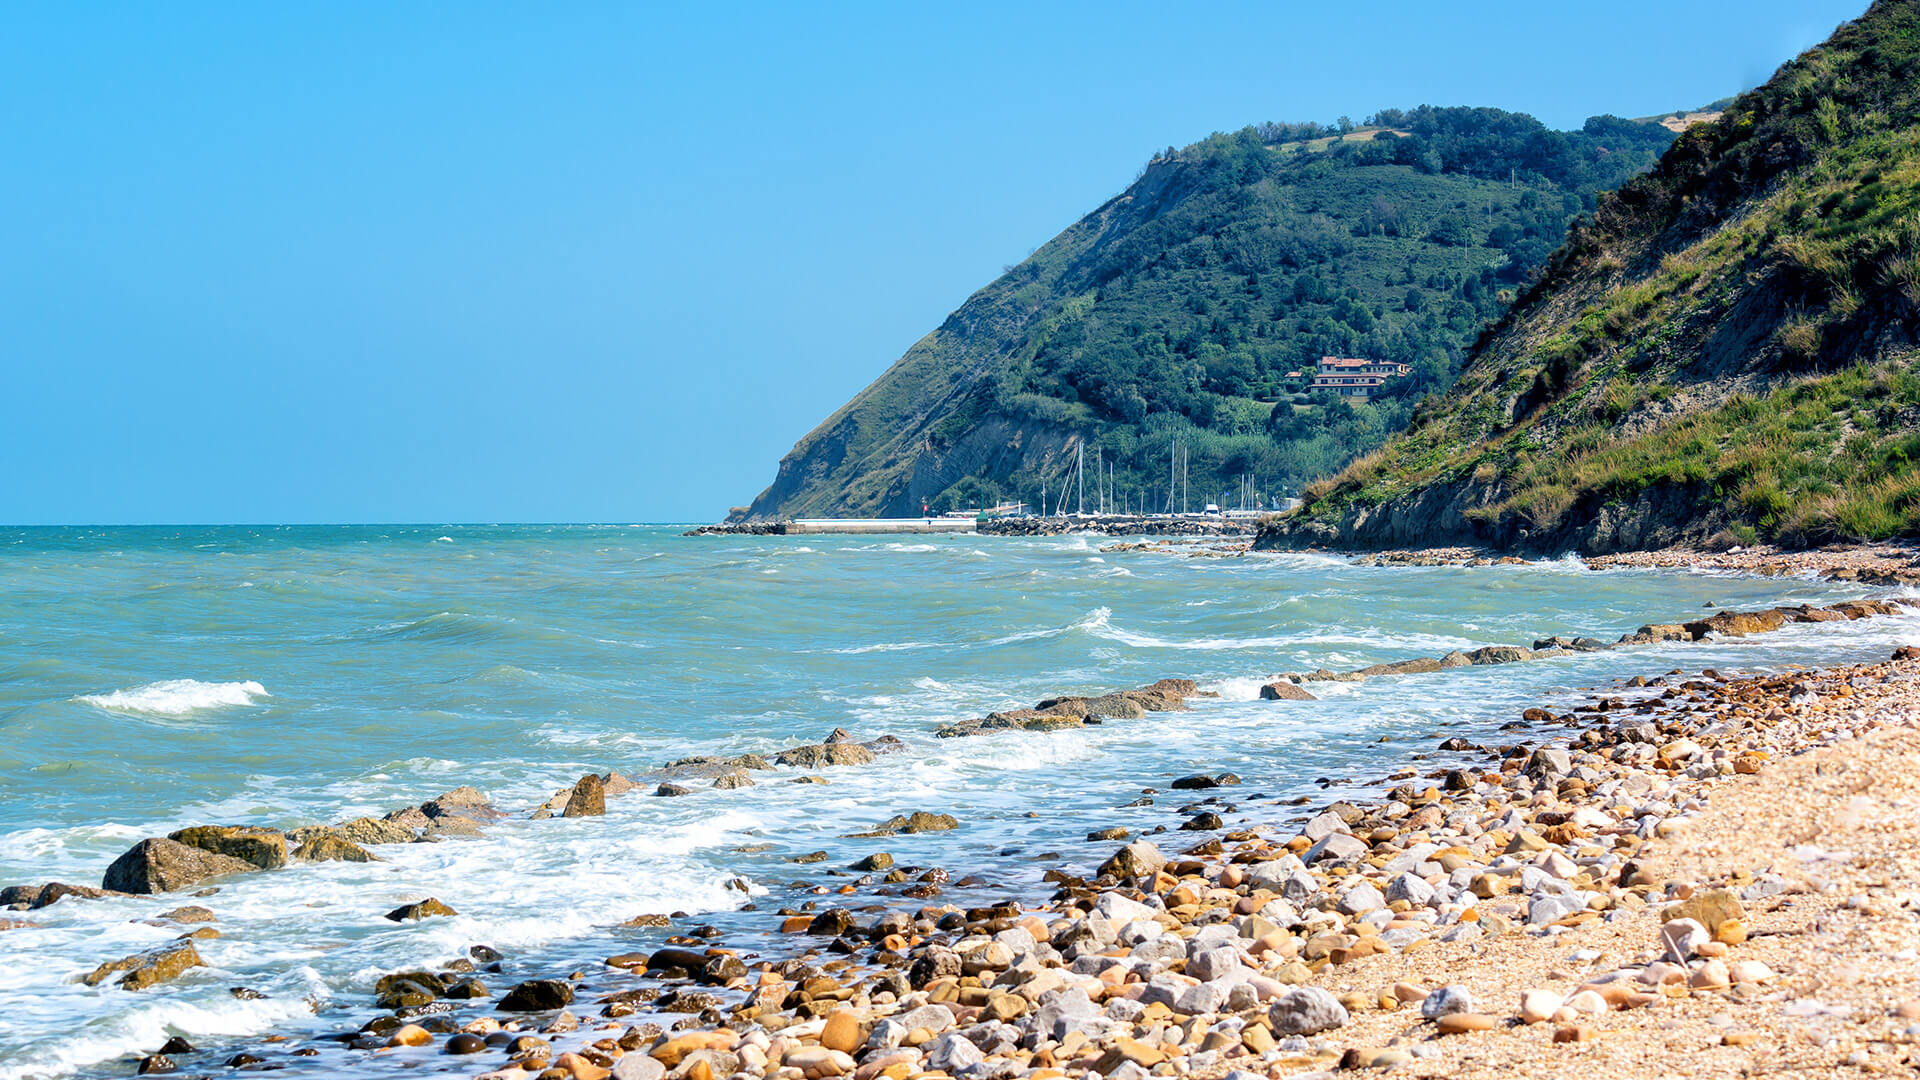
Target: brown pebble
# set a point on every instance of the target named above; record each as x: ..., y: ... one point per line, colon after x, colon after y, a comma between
x: 1457, y: 1023
x: 1571, y: 1033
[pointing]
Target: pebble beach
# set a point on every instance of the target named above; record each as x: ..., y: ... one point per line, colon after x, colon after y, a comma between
x: 1687, y: 871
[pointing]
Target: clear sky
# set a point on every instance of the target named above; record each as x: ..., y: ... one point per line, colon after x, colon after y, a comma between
x: 607, y: 262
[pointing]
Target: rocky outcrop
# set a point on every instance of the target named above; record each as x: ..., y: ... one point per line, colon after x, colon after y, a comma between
x: 160, y: 865
x: 332, y: 849
x: 266, y: 849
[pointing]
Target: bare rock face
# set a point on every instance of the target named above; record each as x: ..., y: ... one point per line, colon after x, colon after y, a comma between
x: 158, y: 865
x: 264, y: 848
x: 589, y: 798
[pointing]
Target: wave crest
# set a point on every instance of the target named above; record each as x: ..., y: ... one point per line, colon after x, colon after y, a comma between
x: 178, y: 697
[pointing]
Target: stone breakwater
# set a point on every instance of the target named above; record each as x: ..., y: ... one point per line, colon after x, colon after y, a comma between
x: 1719, y: 857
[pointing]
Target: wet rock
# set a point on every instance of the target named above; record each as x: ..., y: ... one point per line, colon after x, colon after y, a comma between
x: 332, y: 849
x: 424, y: 909
x: 1197, y: 782
x: 149, y: 968
x: 368, y: 830
x: 466, y: 1043
x: 264, y: 848
x: 39, y: 896
x: 920, y: 821
x: 537, y: 995
x: 1115, y: 707
x: 1284, y: 691
x: 824, y: 754
x: 155, y: 1064
x: 589, y: 798
x: 672, y: 790
x: 733, y: 781
x: 192, y: 913
x: 462, y: 802
x: 162, y: 865
x: 1499, y: 654
x: 1417, y: 666
x: 879, y: 860
x: 1306, y: 1010
x: 1138, y: 859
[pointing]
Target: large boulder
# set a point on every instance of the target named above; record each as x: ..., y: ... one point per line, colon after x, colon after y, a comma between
x: 158, y: 865
x: 264, y: 848
x: 589, y: 798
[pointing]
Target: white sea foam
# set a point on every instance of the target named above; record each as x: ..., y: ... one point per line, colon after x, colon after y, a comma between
x: 178, y: 697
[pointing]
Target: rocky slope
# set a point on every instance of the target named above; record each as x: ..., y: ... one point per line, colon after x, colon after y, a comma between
x: 1725, y: 351
x: 1174, y: 313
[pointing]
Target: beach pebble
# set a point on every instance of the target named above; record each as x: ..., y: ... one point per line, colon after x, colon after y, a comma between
x: 1680, y: 937
x: 1447, y: 1001
x: 1460, y: 1022
x: 1306, y: 1010
x: 1538, y: 1006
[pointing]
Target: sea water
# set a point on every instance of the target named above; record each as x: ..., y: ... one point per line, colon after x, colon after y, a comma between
x: 155, y: 678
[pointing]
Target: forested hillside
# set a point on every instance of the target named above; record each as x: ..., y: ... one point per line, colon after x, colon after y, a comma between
x: 1176, y: 311
x: 1728, y: 350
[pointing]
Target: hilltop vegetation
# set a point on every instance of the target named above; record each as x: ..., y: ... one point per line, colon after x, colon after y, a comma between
x: 1175, y: 312
x: 1726, y: 350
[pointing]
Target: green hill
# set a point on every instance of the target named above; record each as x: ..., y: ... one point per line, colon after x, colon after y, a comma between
x: 1726, y: 351
x: 1175, y: 312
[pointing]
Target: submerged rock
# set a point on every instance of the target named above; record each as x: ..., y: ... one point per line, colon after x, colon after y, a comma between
x: 424, y: 909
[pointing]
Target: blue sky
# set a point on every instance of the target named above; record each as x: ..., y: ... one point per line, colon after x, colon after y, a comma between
x: 531, y: 262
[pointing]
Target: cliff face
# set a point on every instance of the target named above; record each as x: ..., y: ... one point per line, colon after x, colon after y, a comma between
x: 1726, y: 349
x: 1175, y: 312
x: 929, y: 421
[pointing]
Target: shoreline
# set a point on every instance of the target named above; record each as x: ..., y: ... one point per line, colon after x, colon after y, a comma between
x: 1202, y: 874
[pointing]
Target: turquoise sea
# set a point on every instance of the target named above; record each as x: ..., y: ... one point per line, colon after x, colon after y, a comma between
x: 153, y: 678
